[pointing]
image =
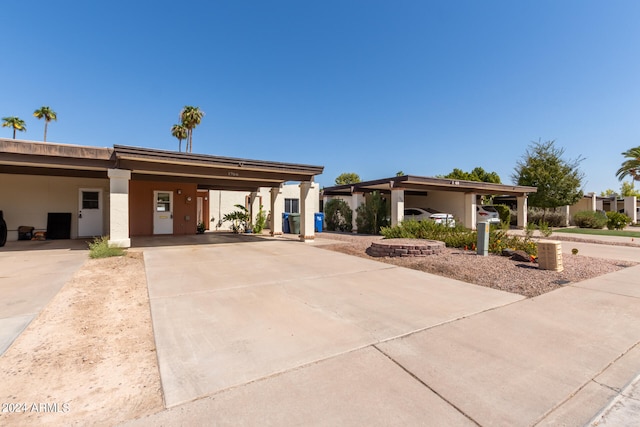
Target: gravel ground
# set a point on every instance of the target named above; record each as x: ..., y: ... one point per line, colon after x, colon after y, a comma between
x: 493, y: 271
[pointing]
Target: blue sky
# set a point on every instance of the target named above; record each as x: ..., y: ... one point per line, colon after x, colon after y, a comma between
x: 371, y: 87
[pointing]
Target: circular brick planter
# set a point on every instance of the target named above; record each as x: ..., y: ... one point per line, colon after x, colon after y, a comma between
x: 406, y: 247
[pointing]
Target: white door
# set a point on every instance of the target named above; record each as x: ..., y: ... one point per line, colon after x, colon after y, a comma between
x: 90, y: 212
x: 163, y: 214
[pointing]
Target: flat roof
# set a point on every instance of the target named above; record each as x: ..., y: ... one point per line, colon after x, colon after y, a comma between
x: 413, y: 183
x: 208, y: 171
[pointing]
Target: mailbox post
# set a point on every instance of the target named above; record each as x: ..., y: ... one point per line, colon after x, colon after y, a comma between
x: 483, y: 239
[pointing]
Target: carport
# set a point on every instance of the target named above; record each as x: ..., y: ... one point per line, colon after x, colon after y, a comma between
x: 457, y: 197
x: 129, y: 191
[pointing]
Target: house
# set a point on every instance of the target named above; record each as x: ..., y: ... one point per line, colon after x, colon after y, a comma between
x: 457, y: 197
x: 76, y: 191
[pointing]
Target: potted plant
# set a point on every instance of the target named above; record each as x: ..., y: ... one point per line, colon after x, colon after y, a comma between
x: 200, y: 228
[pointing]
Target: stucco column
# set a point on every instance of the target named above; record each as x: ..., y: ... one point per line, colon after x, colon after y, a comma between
x: 119, y: 207
x: 567, y: 215
x: 307, y: 211
x: 630, y: 208
x: 277, y: 209
x: 594, y: 202
x: 397, y: 206
x: 522, y: 211
x: 470, y: 211
x: 254, y: 206
x: 357, y: 198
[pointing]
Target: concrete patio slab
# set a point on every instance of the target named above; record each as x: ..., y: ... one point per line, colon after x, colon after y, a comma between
x: 291, y: 304
x: 516, y: 364
x: 31, y: 273
x: 362, y: 387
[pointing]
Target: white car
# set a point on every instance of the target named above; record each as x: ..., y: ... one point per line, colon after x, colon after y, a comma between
x: 420, y: 214
x: 487, y: 214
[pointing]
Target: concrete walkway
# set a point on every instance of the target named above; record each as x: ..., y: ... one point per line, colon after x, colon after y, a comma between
x: 283, y: 333
x: 31, y: 274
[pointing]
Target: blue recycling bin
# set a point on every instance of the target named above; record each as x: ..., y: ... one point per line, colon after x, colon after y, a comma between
x: 285, y: 223
x: 319, y: 220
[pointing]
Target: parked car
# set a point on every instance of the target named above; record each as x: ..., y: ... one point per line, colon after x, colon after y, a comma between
x: 420, y: 214
x: 487, y: 214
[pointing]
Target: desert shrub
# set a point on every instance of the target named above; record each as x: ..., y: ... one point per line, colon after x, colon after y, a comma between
x: 338, y: 215
x: 261, y: 220
x: 544, y: 228
x: 99, y: 248
x: 551, y: 217
x: 372, y: 215
x: 240, y: 219
x: 458, y: 237
x: 504, y: 212
x: 617, y: 220
x: 590, y: 219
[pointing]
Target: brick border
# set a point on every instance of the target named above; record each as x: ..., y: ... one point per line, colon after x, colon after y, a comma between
x: 406, y: 248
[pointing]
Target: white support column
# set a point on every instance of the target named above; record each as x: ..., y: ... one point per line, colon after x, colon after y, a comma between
x: 594, y: 202
x: 522, y: 211
x: 470, y: 211
x: 254, y: 205
x: 307, y: 211
x: 357, y: 198
x: 119, y: 207
x: 630, y: 208
x: 600, y: 205
x: 397, y: 206
x: 277, y: 209
x: 567, y: 215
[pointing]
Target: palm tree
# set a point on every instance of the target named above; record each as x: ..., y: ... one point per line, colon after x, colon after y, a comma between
x: 14, y: 122
x: 180, y: 132
x: 630, y: 167
x: 190, y: 117
x: 47, y: 114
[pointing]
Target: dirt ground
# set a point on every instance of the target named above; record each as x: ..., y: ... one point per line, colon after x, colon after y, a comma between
x: 89, y: 357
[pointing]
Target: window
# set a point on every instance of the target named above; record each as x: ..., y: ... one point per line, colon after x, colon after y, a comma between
x: 90, y: 200
x: 292, y: 205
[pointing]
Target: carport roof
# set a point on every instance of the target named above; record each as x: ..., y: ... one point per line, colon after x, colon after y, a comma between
x: 214, y: 172
x: 421, y: 184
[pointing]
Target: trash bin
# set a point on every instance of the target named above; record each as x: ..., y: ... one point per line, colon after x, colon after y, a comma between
x: 285, y: 223
x: 294, y: 223
x: 319, y: 220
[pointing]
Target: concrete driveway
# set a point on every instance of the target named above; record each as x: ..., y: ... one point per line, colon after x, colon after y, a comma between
x: 31, y: 274
x: 277, y: 332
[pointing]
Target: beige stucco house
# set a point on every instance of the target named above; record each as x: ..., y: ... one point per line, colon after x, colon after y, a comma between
x: 74, y: 191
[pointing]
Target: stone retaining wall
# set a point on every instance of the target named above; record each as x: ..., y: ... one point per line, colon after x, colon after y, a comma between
x: 406, y: 248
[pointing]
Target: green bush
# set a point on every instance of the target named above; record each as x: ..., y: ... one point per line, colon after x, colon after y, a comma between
x: 338, y: 215
x: 372, y: 215
x: 551, y: 217
x: 261, y: 220
x: 504, y: 212
x: 99, y: 248
x: 617, y: 220
x: 545, y: 230
x: 590, y: 219
x: 458, y: 237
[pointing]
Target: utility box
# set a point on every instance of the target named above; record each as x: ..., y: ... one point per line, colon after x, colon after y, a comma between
x: 550, y: 255
x: 483, y: 239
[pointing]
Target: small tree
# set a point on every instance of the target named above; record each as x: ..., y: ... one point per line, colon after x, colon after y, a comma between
x: 338, y: 215
x: 558, y: 181
x: 372, y: 215
x: 627, y: 189
x: 347, y: 178
x: 47, y: 114
x: 14, y: 122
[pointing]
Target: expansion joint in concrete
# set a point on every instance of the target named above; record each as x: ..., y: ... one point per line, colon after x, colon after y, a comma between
x: 415, y: 377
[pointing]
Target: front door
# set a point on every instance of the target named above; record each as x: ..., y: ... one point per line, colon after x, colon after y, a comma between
x: 90, y: 212
x: 163, y: 213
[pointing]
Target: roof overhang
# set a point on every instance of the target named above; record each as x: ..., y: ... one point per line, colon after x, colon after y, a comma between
x: 422, y: 184
x: 213, y: 172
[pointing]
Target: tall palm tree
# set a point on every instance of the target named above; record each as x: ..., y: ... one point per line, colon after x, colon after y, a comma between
x: 630, y: 167
x: 14, y: 122
x: 180, y: 132
x: 47, y: 114
x: 191, y: 117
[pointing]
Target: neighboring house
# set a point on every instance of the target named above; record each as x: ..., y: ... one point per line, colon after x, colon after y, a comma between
x: 456, y: 197
x: 222, y: 202
x: 630, y: 206
x: 77, y: 191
